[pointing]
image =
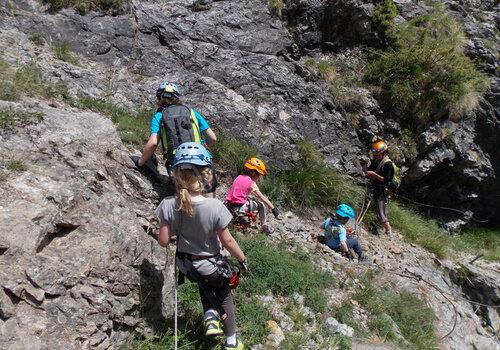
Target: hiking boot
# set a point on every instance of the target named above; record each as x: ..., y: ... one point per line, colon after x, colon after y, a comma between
x: 363, y: 258
x: 239, y: 345
x: 214, y: 327
x: 266, y: 229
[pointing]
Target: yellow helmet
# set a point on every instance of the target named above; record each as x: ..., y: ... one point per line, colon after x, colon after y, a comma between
x: 254, y: 163
x: 379, y: 146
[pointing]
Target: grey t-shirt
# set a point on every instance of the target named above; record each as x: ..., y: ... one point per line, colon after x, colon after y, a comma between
x: 196, y: 234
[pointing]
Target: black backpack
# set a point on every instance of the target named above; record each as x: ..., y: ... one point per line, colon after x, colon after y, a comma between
x: 178, y: 125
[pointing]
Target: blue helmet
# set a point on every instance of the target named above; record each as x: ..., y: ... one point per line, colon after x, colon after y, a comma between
x: 345, y: 211
x: 192, y: 153
x: 167, y: 89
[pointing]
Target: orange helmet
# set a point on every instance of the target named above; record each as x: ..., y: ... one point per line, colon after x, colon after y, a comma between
x: 254, y: 163
x: 379, y: 146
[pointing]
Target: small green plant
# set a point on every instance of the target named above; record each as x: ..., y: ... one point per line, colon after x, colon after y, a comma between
x: 37, y: 38
x: 276, y: 7
x: 17, y: 165
x: 9, y: 118
x: 133, y: 128
x: 426, y: 72
x: 383, y: 20
x: 63, y: 52
x: 448, y: 137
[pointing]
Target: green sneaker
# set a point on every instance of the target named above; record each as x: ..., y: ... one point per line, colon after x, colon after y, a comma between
x: 214, y: 327
x: 239, y: 345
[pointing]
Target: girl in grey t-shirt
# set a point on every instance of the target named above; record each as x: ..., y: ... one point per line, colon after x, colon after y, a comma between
x: 201, y: 227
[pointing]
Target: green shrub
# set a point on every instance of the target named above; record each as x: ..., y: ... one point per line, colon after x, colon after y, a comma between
x: 383, y: 20
x: 427, y: 73
x: 63, y: 52
x: 37, y: 38
x: 133, y: 128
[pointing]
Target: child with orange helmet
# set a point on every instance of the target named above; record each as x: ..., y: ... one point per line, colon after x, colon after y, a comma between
x: 245, y: 184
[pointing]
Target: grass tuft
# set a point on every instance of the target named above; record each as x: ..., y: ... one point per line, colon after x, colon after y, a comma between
x: 37, y: 38
x: 133, y: 128
x: 27, y: 80
x: 412, y: 316
x: 63, y: 52
x: 230, y: 153
x: 276, y: 7
x: 84, y: 6
x: 17, y: 165
x: 10, y: 118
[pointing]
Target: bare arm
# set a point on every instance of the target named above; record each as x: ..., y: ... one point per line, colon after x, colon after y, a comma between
x: 164, y: 236
x: 262, y: 197
x: 373, y: 174
x: 149, y: 148
x: 343, y: 246
x: 210, y: 137
x: 230, y: 244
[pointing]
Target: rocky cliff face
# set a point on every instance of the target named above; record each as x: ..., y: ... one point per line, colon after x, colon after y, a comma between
x: 77, y: 257
x: 459, y: 171
x: 76, y: 252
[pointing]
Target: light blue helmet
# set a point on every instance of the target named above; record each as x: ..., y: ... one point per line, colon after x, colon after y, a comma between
x: 345, y: 211
x: 192, y: 153
x: 167, y: 89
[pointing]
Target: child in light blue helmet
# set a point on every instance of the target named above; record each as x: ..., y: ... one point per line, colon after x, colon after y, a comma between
x: 335, y: 234
x: 200, y: 225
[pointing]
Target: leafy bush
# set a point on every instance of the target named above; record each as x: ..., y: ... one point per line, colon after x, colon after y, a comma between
x: 383, y: 20
x: 426, y: 73
x: 63, y: 52
x: 17, y: 165
x: 133, y: 128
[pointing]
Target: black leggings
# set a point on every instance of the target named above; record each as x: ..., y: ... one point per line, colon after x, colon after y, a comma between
x: 225, y: 297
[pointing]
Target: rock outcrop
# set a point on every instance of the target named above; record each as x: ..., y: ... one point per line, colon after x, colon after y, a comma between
x: 78, y: 261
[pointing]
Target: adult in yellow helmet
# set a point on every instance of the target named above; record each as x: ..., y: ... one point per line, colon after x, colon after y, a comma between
x: 245, y: 184
x: 381, y: 173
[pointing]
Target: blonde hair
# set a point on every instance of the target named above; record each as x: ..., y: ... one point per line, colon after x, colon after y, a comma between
x: 186, y: 180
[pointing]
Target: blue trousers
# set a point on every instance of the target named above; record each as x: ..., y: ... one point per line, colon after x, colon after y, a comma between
x: 352, y: 243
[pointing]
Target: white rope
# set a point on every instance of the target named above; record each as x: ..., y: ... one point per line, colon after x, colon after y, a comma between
x: 175, y: 314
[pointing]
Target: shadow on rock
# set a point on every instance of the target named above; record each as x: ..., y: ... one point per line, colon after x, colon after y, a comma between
x: 151, y: 294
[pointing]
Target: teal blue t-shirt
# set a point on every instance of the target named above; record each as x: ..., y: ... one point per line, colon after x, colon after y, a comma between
x: 334, y: 233
x: 156, y: 122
